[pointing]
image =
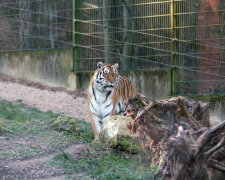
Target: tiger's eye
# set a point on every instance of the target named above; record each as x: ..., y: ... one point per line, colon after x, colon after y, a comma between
x: 106, y: 71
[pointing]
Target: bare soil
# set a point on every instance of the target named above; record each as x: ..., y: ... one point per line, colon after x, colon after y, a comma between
x: 45, y: 98
x: 37, y: 167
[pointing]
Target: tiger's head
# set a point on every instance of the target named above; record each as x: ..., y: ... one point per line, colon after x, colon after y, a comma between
x: 107, y: 76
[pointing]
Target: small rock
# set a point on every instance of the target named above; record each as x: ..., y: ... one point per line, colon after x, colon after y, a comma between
x: 116, y: 134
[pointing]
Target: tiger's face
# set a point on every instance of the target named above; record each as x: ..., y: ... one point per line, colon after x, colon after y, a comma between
x: 107, y: 76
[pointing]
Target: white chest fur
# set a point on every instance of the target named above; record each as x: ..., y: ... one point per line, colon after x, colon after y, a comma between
x: 101, y: 103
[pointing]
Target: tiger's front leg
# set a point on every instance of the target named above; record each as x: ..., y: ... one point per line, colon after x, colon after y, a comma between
x: 96, y: 122
x: 120, y: 109
x: 124, y: 110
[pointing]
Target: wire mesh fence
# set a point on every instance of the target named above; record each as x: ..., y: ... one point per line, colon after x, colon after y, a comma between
x: 185, y: 36
x: 40, y: 24
x: 134, y: 33
x: 201, y: 44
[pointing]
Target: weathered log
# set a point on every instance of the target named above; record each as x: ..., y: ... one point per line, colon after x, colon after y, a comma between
x: 184, y: 155
x: 178, y: 132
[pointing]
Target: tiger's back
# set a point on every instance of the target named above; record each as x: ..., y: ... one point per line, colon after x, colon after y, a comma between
x: 125, y: 89
x: 107, y: 93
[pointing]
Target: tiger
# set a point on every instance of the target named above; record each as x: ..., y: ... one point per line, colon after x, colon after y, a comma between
x: 107, y: 94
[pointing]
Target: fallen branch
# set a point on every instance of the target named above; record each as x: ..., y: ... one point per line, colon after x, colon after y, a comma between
x: 204, y: 138
x: 216, y: 165
x: 199, y: 131
x: 215, y: 148
x: 147, y: 108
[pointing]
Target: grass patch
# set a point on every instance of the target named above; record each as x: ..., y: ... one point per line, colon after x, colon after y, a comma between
x: 26, y: 120
x: 18, y: 121
x: 105, y: 164
x: 22, y: 152
x: 22, y: 119
x: 37, y: 136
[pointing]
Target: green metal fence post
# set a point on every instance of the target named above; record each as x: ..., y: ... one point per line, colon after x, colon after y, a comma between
x: 77, y: 51
x: 174, y: 49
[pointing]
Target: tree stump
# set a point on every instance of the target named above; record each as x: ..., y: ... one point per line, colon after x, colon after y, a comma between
x: 178, y: 132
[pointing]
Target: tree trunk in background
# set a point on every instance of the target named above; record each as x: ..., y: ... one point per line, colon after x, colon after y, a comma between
x: 24, y: 16
x: 127, y: 37
x: 107, y: 42
x: 52, y: 30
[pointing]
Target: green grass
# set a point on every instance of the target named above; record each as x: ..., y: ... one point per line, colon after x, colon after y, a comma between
x: 105, y: 164
x: 23, y: 119
x: 22, y: 152
x: 19, y: 121
x: 26, y: 120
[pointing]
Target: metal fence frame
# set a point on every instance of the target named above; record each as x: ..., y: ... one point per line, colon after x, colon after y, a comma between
x: 176, y: 65
x: 163, y: 42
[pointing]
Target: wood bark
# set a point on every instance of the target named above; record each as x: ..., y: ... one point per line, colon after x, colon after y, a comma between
x: 179, y: 134
x: 127, y: 36
x: 25, y: 27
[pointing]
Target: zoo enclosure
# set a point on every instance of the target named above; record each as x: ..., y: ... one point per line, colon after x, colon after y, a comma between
x: 186, y: 37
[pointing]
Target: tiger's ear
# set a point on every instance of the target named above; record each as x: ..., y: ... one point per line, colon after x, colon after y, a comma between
x: 116, y: 65
x: 99, y: 64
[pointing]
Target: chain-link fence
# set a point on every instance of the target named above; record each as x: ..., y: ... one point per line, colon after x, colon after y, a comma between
x: 40, y: 24
x: 184, y: 36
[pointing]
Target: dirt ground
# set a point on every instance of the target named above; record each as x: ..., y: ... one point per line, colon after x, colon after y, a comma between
x: 37, y: 168
x: 57, y: 100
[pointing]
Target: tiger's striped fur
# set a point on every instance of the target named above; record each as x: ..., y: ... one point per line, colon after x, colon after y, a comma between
x: 107, y: 93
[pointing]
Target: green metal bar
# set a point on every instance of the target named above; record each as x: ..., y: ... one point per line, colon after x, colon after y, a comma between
x: 128, y: 70
x: 58, y: 23
x: 193, y: 81
x: 94, y: 58
x: 73, y: 33
x: 121, y: 44
x: 201, y: 67
x: 140, y: 17
x: 204, y: 25
x: 138, y: 4
x: 174, y: 50
x: 6, y: 39
x: 138, y: 31
x: 202, y: 53
x: 209, y: 39
x: 190, y: 13
x: 36, y: 49
x: 155, y: 29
